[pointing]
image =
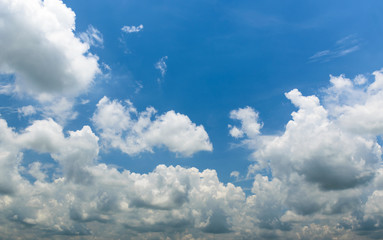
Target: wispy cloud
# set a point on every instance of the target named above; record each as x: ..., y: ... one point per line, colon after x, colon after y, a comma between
x: 6, y: 89
x: 341, y: 48
x: 93, y: 37
x: 27, y: 110
x: 128, y: 30
x: 106, y: 70
x: 162, y: 67
x: 132, y: 29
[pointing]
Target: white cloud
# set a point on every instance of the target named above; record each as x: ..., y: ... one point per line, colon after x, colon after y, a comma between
x: 314, y: 146
x: 234, y: 174
x: 235, y: 132
x: 249, y: 123
x: 358, y: 107
x: 74, y: 153
x: 93, y: 37
x: 340, y: 82
x: 323, y: 178
x: 124, y: 128
x: 132, y: 29
x: 9, y: 160
x: 161, y: 66
x: 7, y: 89
x: 342, y: 47
x: 89, y: 196
x: 27, y: 110
x: 60, y: 109
x: 36, y: 172
x: 39, y: 47
x: 43, y: 56
x: 321, y: 54
x: 360, y: 79
x: 324, y: 170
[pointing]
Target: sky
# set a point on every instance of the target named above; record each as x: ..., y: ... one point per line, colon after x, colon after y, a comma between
x: 191, y: 119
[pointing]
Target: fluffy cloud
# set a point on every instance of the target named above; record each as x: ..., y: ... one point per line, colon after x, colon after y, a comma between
x: 9, y: 160
x: 323, y: 179
x: 124, y: 128
x: 316, y: 148
x: 358, y: 106
x: 39, y: 47
x: 89, y: 196
x: 326, y: 164
x: 249, y: 123
x: 74, y: 153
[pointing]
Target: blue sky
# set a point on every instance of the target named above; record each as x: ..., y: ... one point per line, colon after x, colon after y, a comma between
x: 224, y: 55
x: 191, y: 112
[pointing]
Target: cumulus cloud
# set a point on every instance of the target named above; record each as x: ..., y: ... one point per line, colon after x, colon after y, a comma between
x: 249, y: 123
x: 43, y: 56
x: 132, y: 29
x: 318, y: 179
x: 90, y: 196
x: 325, y: 165
x: 39, y: 47
x: 358, y: 106
x: 123, y: 127
x: 9, y: 160
x: 321, y: 178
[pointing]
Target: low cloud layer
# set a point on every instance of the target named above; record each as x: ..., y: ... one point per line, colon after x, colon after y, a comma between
x: 89, y: 196
x: 324, y: 179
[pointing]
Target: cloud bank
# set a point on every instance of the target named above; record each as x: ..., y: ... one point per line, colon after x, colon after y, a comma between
x: 89, y: 194
x: 324, y: 176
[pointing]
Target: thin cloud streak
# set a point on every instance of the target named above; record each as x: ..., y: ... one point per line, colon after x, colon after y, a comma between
x: 162, y: 67
x: 342, y: 48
